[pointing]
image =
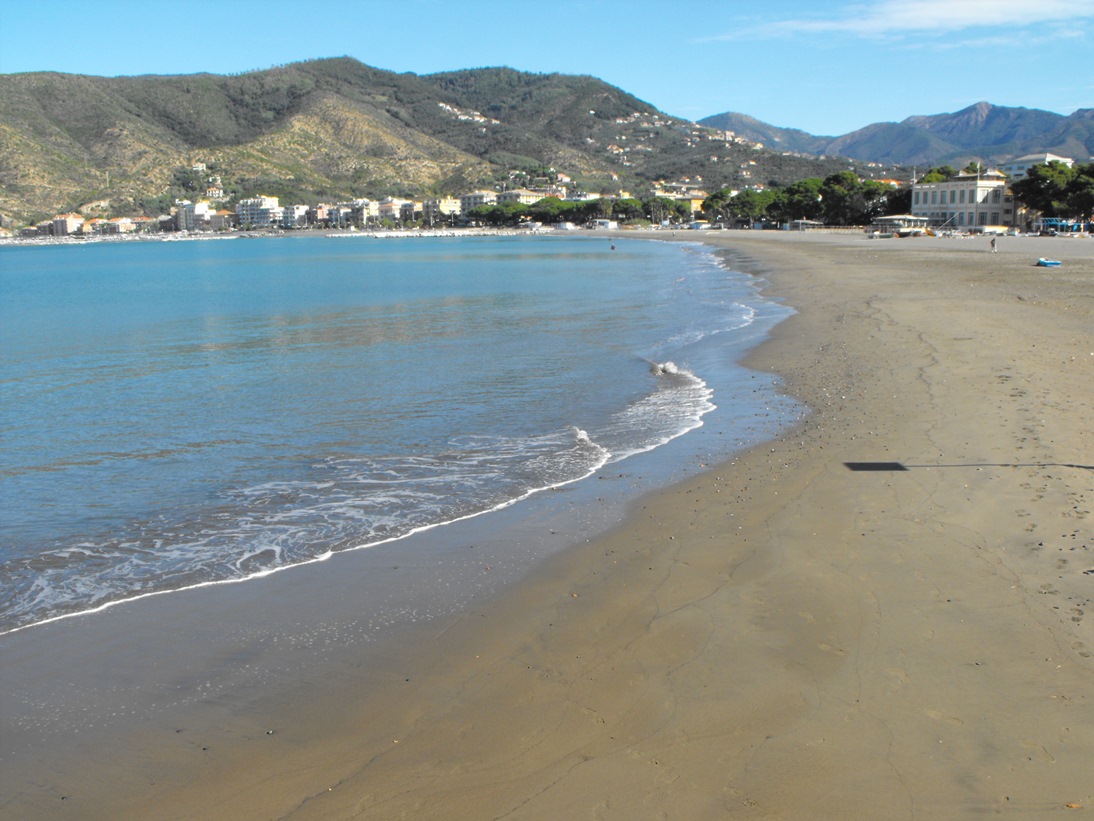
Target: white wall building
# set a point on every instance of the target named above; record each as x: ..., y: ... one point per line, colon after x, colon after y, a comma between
x: 294, y: 216
x: 521, y: 195
x: 964, y: 201
x: 259, y: 212
x: 1016, y: 169
x: 191, y: 216
x: 475, y: 199
x: 390, y: 208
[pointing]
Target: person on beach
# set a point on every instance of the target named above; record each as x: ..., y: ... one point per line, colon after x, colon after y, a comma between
x: 993, y: 245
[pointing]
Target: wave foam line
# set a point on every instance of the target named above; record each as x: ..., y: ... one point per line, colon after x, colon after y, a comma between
x: 581, y: 435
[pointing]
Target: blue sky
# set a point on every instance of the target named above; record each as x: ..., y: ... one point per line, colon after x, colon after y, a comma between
x: 825, y: 66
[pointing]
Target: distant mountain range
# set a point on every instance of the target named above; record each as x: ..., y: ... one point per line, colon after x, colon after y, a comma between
x: 982, y: 131
x: 332, y: 129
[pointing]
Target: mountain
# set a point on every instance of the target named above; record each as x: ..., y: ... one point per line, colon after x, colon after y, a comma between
x: 787, y: 139
x: 335, y: 128
x: 982, y: 131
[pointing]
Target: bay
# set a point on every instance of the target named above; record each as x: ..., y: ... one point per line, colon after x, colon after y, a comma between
x: 182, y: 413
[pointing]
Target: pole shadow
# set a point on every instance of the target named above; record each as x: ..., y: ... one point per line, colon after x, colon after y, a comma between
x: 889, y: 467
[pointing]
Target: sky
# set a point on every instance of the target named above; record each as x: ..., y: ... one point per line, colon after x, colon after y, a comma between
x: 825, y: 66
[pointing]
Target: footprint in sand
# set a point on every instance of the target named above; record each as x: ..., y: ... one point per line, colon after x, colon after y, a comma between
x: 940, y: 716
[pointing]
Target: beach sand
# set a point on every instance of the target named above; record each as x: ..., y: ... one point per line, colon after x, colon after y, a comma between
x: 882, y: 614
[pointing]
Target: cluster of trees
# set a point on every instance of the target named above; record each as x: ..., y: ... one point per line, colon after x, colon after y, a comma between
x: 1058, y: 191
x: 838, y: 199
x: 551, y: 210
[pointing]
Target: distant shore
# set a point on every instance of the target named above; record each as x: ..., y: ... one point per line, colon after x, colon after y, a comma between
x: 883, y: 613
x: 194, y: 236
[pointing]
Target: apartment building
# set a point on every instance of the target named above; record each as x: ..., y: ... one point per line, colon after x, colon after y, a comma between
x: 521, y: 195
x: 258, y: 212
x: 468, y: 202
x: 191, y: 216
x: 294, y: 216
x: 65, y: 224
x: 439, y: 209
x: 1016, y: 169
x: 410, y: 211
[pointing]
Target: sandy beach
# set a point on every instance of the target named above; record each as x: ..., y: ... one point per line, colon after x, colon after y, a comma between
x: 882, y: 614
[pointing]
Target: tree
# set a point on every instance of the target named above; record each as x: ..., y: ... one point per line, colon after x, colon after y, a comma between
x: 627, y: 209
x: 659, y: 209
x: 751, y: 205
x: 800, y: 200
x: 551, y: 210
x: 1044, y: 188
x: 940, y: 173
x: 837, y: 198
x: 716, y: 206
x: 847, y: 200
x: 899, y: 200
x: 1080, y: 193
x: 872, y: 201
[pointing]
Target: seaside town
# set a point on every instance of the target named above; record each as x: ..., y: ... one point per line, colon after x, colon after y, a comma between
x: 975, y: 200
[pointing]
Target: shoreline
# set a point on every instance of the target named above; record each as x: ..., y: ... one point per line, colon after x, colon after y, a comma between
x: 780, y: 636
x: 739, y: 429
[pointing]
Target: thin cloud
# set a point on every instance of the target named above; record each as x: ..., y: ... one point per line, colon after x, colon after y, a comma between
x: 899, y: 18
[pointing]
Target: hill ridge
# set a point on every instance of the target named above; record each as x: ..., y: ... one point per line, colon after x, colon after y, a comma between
x: 981, y: 131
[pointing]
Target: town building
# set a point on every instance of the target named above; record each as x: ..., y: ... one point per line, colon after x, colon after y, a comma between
x: 117, y: 225
x: 521, y: 195
x: 145, y: 224
x: 964, y: 201
x: 66, y: 224
x: 475, y: 199
x: 258, y: 212
x: 390, y: 208
x: 440, y: 209
x: 410, y: 211
x: 294, y: 216
x: 1016, y: 169
x: 222, y: 220
x: 191, y: 216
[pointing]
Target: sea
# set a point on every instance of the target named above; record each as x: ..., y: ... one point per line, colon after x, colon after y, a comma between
x: 176, y: 414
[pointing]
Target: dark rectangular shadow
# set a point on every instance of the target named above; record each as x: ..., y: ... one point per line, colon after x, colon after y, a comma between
x: 882, y: 466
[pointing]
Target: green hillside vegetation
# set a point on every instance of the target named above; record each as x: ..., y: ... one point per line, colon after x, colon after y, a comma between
x: 333, y: 129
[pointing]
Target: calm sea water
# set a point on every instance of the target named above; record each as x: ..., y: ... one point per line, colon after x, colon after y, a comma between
x: 179, y: 413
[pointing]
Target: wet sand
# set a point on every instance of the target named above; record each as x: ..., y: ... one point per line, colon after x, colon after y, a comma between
x: 884, y: 613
